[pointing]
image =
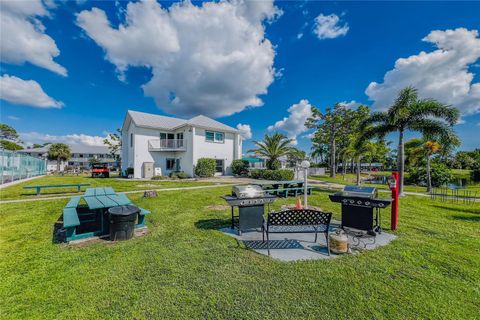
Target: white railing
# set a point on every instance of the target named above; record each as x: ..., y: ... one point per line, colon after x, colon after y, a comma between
x: 166, y: 144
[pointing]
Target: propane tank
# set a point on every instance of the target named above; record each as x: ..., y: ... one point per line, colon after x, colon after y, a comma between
x: 339, y: 241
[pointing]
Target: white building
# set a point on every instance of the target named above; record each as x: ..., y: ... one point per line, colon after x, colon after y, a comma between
x: 158, y: 145
x: 82, y: 156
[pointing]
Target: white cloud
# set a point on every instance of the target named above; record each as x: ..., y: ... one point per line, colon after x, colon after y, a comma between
x: 245, y: 131
x: 350, y: 104
x: 211, y: 59
x: 294, y: 124
x: 25, y: 92
x: 13, y: 118
x: 82, y: 139
x: 23, y: 35
x: 300, y: 35
x: 441, y: 74
x: 328, y: 27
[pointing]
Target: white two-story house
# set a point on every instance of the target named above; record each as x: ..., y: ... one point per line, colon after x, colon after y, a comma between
x: 158, y: 145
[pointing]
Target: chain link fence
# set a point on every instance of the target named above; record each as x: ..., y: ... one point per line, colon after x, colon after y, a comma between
x: 15, y: 166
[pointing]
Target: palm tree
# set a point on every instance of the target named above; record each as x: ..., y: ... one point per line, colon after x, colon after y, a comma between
x: 272, y: 147
x: 427, y: 116
x: 59, y: 152
x: 430, y: 148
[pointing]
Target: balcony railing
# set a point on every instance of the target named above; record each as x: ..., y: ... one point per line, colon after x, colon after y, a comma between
x: 166, y: 144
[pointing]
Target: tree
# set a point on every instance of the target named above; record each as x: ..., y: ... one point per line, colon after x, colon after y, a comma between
x: 427, y: 116
x: 430, y: 148
x: 295, y: 156
x: 59, y: 152
x: 329, y: 125
x: 272, y: 147
x: 9, y: 133
x: 114, y: 143
x: 10, y: 145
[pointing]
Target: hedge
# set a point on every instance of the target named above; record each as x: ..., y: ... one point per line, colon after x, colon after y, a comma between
x: 240, y: 167
x: 265, y: 174
x: 205, y: 167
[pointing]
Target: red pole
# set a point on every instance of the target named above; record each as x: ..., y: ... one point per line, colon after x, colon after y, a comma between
x: 394, y: 186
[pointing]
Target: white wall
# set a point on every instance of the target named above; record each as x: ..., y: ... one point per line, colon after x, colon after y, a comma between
x: 228, y: 151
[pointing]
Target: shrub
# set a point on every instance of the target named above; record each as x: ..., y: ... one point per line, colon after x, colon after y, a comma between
x: 266, y: 174
x: 476, y: 172
x: 178, y: 175
x: 240, y: 167
x: 440, y: 175
x: 205, y: 167
x: 273, y: 164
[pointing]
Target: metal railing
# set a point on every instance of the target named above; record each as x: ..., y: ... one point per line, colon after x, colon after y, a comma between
x: 162, y: 144
x: 16, y: 166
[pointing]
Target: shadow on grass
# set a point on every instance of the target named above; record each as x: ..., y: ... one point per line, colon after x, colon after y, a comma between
x: 58, y: 232
x: 210, y: 224
x: 474, y: 209
x: 467, y: 218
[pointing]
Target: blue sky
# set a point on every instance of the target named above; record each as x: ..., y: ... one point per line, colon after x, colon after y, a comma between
x: 276, y: 56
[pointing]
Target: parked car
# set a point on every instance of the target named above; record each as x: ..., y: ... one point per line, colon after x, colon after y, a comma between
x: 100, y: 170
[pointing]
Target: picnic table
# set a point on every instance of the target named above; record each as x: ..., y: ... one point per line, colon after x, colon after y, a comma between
x: 284, y: 188
x: 98, y: 201
x: 38, y: 188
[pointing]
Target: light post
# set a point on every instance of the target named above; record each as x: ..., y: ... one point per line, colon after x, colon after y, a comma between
x: 305, y: 165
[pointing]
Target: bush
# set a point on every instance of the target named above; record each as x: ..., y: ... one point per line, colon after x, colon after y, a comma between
x: 205, y: 167
x: 178, y: 175
x: 476, y: 172
x: 159, y: 177
x: 240, y: 167
x: 440, y: 175
x: 266, y: 174
x: 273, y: 164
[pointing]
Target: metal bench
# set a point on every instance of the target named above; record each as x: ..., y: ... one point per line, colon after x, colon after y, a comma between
x: 70, y: 222
x: 298, y: 221
x: 38, y: 188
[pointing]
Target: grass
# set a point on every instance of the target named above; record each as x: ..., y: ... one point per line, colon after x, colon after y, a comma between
x: 352, y: 178
x: 120, y: 185
x: 184, y: 268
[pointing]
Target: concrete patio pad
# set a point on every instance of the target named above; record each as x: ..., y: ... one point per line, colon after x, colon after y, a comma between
x: 300, y: 246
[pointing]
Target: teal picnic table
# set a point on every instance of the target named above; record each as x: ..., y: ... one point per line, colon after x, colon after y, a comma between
x: 282, y: 187
x: 98, y: 201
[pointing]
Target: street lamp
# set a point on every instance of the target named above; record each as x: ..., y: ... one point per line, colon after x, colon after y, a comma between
x: 305, y: 165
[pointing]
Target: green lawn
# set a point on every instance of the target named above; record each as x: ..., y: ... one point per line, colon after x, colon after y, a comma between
x: 186, y: 269
x: 352, y: 179
x: 17, y: 191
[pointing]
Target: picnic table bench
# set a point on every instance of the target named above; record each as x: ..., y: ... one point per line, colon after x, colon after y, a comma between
x: 297, y: 221
x: 38, y: 188
x: 285, y: 192
x: 98, y: 201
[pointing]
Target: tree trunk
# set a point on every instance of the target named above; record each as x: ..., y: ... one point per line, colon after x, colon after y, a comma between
x: 58, y: 165
x: 344, y: 167
x: 333, y: 152
x: 429, y: 175
x: 401, y: 162
x: 358, y: 171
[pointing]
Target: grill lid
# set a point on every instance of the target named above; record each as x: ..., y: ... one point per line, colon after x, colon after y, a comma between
x: 359, y: 191
x: 248, y: 191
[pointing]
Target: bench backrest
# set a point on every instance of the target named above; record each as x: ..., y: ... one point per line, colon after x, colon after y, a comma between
x: 58, y: 185
x: 299, y: 217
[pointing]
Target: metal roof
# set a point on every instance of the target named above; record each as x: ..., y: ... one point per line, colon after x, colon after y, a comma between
x: 74, y: 148
x: 149, y: 120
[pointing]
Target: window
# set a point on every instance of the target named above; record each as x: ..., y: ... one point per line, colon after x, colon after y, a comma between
x: 212, y: 136
x: 131, y: 139
x: 80, y: 155
x: 171, y: 164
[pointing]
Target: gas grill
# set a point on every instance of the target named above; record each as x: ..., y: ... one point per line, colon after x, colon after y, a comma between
x: 250, y: 200
x: 358, y: 203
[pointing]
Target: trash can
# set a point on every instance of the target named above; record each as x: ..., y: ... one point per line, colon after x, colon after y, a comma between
x: 122, y: 222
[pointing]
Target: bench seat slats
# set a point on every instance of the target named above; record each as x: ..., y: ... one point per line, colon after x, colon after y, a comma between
x: 73, y: 203
x: 70, y: 218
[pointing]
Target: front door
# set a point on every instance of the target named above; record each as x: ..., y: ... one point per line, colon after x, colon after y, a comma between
x: 219, y: 167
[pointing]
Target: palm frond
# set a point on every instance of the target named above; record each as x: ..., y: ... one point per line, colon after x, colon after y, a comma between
x: 431, y: 107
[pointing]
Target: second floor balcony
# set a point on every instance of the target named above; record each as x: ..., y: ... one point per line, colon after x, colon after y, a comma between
x: 166, y: 145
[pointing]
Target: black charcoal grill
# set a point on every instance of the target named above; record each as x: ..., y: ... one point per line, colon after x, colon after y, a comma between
x: 358, y: 204
x: 250, y: 200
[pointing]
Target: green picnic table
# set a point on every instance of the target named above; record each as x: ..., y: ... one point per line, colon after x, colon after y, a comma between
x: 98, y: 201
x: 284, y: 188
x: 38, y: 188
